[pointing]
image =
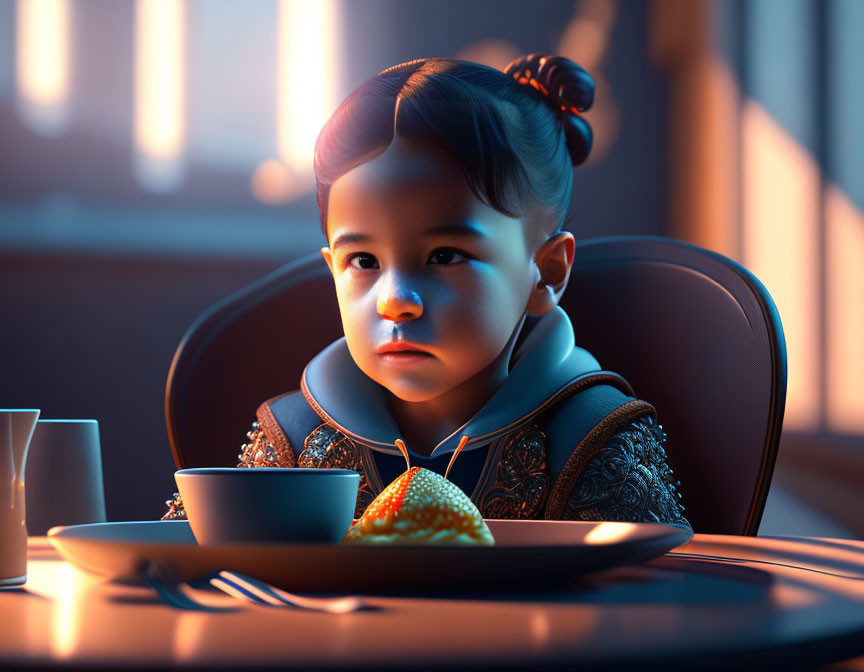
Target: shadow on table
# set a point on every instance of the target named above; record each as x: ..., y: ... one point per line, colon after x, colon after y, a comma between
x: 23, y: 591
x: 662, y: 581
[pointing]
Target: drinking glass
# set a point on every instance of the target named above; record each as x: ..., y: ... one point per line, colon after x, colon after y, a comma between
x: 16, y: 429
x: 64, y: 475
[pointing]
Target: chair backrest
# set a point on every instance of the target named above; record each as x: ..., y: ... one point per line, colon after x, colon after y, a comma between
x: 695, y: 333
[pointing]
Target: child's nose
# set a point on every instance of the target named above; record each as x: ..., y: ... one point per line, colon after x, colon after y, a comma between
x: 398, y: 302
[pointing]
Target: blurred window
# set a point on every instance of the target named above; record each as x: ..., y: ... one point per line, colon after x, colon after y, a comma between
x: 803, y: 196
x: 137, y: 126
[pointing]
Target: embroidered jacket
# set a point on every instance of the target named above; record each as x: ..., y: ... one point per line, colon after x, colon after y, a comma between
x: 560, y: 439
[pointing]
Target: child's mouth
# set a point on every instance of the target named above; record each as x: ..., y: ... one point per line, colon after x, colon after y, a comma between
x: 404, y: 356
x: 403, y: 353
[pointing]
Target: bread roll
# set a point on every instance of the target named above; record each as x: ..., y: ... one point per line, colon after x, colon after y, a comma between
x: 421, y: 507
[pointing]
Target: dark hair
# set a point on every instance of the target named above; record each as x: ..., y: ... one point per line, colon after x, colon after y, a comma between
x: 516, y: 134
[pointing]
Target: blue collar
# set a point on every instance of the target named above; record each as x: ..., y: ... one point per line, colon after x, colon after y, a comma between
x: 545, y: 362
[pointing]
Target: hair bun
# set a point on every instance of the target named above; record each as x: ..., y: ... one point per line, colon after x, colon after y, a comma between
x: 567, y: 88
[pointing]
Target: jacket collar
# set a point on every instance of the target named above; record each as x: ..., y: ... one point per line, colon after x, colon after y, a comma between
x: 541, y: 366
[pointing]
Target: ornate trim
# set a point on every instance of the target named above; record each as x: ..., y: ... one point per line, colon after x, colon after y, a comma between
x: 328, y: 448
x: 274, y: 432
x: 586, y: 449
x: 260, y: 451
x: 628, y: 480
x: 176, y: 510
x: 521, y: 480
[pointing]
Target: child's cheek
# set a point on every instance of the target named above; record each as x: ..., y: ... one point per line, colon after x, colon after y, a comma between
x: 500, y: 294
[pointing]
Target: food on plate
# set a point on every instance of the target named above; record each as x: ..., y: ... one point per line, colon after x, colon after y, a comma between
x: 421, y: 507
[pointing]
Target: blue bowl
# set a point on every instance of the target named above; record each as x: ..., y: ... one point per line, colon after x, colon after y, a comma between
x: 252, y: 505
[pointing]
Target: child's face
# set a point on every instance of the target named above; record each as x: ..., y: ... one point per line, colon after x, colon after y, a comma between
x: 424, y: 268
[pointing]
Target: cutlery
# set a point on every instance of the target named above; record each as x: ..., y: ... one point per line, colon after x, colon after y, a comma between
x: 174, y: 591
x: 259, y: 592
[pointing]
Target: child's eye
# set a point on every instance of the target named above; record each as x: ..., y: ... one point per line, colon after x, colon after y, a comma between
x: 363, y: 261
x: 446, y: 256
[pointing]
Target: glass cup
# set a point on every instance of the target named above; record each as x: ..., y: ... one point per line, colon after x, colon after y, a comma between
x: 16, y: 429
x: 64, y: 475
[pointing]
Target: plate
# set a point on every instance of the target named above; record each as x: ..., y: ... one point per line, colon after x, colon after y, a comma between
x: 527, y: 554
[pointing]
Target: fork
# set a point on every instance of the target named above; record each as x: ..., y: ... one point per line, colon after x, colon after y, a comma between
x: 259, y: 592
x: 176, y: 592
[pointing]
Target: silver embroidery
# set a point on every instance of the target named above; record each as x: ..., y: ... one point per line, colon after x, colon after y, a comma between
x: 259, y: 452
x: 521, y: 482
x: 328, y: 448
x: 628, y: 480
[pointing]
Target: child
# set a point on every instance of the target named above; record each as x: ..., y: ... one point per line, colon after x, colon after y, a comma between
x: 442, y: 188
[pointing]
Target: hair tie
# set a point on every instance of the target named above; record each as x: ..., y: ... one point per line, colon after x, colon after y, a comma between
x: 567, y: 88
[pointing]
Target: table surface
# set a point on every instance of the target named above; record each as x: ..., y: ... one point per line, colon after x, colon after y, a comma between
x: 716, y: 601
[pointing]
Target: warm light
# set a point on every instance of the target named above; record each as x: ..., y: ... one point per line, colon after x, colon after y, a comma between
x: 540, y: 629
x: 586, y: 39
x: 190, y: 636
x: 844, y: 224
x: 781, y: 246
x: 159, y: 102
x: 307, y: 70
x: 42, y: 63
x: 67, y: 616
x: 705, y: 101
x: 494, y: 53
x: 273, y: 183
x: 609, y: 533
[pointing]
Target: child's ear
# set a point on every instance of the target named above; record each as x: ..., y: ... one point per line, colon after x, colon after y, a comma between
x: 553, y: 262
x: 328, y: 257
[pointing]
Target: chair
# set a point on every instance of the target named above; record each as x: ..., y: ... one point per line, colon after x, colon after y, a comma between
x: 695, y: 333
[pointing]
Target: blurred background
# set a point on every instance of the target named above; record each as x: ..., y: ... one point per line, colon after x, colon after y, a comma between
x: 155, y: 155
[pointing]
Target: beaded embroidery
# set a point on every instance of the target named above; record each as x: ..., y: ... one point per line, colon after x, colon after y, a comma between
x: 521, y: 482
x: 628, y: 480
x: 175, y: 508
x: 259, y: 452
x: 328, y: 448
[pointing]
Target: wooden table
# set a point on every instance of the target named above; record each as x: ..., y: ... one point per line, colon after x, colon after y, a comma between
x: 717, y: 602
